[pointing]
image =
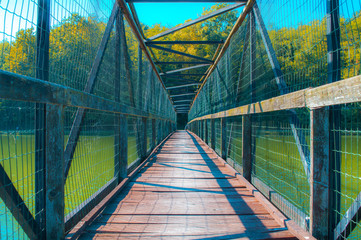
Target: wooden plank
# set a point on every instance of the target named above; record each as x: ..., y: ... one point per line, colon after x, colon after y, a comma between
x: 284, y: 102
x: 180, y: 53
x: 54, y: 169
x: 319, y: 178
x: 340, y: 92
x: 198, y: 20
x: 14, y: 202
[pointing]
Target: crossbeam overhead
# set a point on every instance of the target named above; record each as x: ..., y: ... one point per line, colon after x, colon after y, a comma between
x: 182, y: 42
x: 178, y: 63
x: 181, y: 53
x: 183, y: 86
x: 180, y: 95
x: 198, y: 20
x: 185, y: 100
x: 185, y: 69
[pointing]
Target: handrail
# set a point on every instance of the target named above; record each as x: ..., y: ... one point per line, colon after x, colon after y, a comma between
x: 312, y: 98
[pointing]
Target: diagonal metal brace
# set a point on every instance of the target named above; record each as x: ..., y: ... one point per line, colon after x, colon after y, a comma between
x: 17, y: 207
x: 75, y: 129
x: 300, y: 139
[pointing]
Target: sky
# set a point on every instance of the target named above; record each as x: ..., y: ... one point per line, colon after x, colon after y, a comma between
x: 169, y: 14
x: 22, y: 14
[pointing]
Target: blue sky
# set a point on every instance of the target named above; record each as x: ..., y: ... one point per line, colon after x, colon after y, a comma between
x: 21, y: 14
x: 169, y: 14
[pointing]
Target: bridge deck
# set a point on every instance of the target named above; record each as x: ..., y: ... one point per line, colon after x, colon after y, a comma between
x: 185, y: 192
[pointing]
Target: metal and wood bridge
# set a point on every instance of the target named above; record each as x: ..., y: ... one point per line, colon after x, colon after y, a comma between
x: 89, y: 146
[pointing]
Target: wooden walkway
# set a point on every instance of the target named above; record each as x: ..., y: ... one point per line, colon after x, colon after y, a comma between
x: 185, y: 192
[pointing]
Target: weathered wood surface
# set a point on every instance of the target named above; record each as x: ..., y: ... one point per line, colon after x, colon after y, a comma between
x: 185, y: 192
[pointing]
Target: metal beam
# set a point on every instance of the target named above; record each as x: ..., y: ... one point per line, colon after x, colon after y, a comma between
x: 198, y: 20
x: 180, y: 53
x: 16, y: 206
x: 148, y: 42
x: 185, y: 74
x: 349, y: 220
x: 182, y: 105
x: 180, y: 95
x: 186, y: 69
x: 190, y: 62
x: 75, y: 129
x: 182, y: 86
x: 186, y: 100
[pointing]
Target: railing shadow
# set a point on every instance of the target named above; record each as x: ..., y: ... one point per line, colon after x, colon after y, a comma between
x: 229, y: 190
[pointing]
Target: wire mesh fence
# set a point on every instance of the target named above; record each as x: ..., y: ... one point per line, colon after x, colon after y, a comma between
x: 89, y: 49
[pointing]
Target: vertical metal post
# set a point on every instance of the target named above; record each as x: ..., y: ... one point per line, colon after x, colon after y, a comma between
x: 333, y: 59
x: 123, y: 133
x: 117, y: 79
x: 42, y: 72
x: 213, y: 134
x: 206, y: 131
x: 319, y: 177
x: 144, y: 138
x: 224, y: 138
x: 154, y: 133
x: 159, y: 132
x: 140, y: 74
x: 247, y: 119
x: 252, y: 54
x: 54, y: 177
x: 247, y: 146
